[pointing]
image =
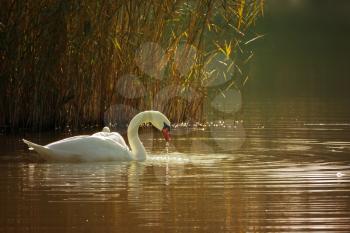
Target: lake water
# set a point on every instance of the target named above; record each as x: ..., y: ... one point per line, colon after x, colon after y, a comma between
x: 284, y: 168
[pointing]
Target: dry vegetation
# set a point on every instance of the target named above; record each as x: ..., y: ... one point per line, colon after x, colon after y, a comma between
x: 61, y: 60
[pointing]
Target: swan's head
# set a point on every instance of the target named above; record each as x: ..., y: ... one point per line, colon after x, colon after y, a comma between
x: 162, y: 123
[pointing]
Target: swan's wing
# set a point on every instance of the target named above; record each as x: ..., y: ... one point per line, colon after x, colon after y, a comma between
x: 118, y: 138
x: 114, y: 136
x: 89, y: 148
x: 69, y: 139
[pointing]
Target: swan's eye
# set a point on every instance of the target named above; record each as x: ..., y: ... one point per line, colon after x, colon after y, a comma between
x: 166, y: 126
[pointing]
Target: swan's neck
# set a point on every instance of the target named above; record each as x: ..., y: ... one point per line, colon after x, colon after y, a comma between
x: 137, y: 149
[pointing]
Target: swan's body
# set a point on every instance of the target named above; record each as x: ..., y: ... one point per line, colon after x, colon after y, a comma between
x: 105, y: 145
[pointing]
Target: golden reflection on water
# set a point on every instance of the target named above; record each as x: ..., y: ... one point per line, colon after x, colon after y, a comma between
x: 239, y: 193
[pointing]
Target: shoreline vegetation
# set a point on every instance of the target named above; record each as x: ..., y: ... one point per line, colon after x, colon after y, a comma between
x: 78, y: 63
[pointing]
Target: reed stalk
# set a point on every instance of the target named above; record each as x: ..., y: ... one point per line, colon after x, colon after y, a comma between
x: 60, y: 61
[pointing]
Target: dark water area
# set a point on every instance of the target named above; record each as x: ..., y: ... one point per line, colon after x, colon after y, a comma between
x: 284, y: 168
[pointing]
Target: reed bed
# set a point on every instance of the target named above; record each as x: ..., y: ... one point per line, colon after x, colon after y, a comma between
x: 70, y: 63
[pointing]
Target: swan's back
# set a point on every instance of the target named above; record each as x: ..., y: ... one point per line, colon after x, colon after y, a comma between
x: 116, y: 137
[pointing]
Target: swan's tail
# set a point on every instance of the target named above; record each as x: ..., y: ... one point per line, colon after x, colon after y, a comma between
x: 38, y: 148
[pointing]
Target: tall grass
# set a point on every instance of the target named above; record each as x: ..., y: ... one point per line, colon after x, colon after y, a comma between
x: 61, y: 60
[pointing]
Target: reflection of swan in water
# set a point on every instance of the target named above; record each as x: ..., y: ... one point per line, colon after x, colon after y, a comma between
x: 134, y: 185
x: 104, y: 146
x: 76, y: 182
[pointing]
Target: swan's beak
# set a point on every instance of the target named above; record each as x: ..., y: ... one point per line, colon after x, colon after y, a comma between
x: 166, y: 132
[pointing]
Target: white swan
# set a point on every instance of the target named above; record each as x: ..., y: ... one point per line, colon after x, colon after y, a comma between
x: 105, y: 145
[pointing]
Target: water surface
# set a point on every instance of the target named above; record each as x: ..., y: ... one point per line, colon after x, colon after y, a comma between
x: 284, y: 168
